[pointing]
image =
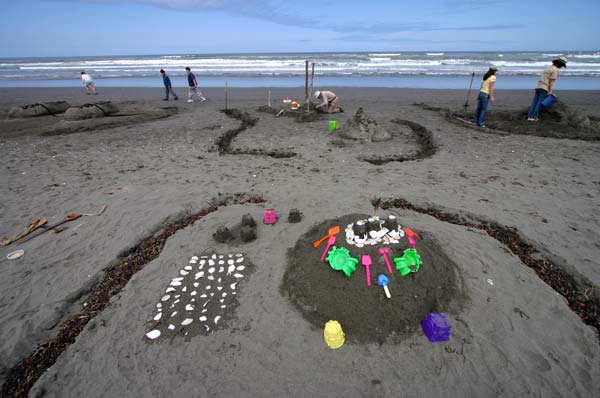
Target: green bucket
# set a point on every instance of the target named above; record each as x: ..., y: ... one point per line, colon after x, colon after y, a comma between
x: 333, y: 125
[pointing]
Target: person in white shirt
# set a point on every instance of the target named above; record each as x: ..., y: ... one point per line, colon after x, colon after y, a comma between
x: 88, y: 83
x: 329, y: 102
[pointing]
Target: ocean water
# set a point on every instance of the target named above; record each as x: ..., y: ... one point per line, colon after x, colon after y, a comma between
x: 393, y: 69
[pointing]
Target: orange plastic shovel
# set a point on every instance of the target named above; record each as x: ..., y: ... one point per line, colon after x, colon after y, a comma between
x: 332, y: 231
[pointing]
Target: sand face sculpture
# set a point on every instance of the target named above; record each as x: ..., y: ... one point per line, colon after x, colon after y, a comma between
x: 337, y: 286
x: 201, y: 298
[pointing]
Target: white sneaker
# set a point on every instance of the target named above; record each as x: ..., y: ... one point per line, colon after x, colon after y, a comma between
x: 202, y: 99
x: 190, y: 100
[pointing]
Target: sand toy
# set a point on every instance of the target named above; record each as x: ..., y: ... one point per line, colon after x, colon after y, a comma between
x: 383, y: 281
x: 270, y: 216
x: 436, y: 327
x: 411, y: 233
x: 384, y: 253
x: 334, y: 335
x: 330, y: 243
x: 366, y: 261
x: 333, y: 125
x: 339, y: 259
x: 332, y: 231
x: 411, y: 242
x: 409, y: 262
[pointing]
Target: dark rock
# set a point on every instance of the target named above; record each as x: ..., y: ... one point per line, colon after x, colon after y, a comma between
x: 223, y: 235
x: 294, y: 216
x: 248, y: 234
x: 248, y: 220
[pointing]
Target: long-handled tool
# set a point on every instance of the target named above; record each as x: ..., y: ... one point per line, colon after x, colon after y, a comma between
x: 469, y: 93
x: 366, y: 261
x: 330, y: 243
x: 54, y: 227
x: 332, y: 231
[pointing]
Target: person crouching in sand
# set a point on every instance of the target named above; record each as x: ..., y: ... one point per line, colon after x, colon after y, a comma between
x: 329, y: 102
x: 486, y: 93
x: 545, y: 87
x: 88, y: 83
x: 168, y: 86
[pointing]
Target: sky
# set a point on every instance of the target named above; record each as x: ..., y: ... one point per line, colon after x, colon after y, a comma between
x: 46, y: 28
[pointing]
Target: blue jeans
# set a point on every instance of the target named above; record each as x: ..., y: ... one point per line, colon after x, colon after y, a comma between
x: 536, y: 104
x: 482, y: 105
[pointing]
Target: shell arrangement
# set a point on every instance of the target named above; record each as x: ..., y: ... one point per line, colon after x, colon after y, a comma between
x: 374, y: 231
x: 198, y: 299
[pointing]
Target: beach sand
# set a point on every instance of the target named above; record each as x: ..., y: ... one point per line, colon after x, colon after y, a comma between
x: 512, y: 333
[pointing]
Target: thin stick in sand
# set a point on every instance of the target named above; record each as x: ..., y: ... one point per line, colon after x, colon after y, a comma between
x: 226, y: 92
x: 306, y: 83
x: 269, y: 98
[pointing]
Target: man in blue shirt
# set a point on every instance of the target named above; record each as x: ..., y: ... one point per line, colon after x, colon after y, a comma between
x: 168, y: 87
x: 193, y: 86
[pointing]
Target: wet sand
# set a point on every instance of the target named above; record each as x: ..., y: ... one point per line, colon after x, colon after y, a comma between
x: 515, y: 336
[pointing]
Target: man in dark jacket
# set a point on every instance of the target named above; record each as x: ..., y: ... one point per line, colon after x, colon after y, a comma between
x: 193, y: 86
x: 168, y: 87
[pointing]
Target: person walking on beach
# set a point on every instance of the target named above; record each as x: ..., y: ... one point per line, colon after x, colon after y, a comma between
x: 168, y: 87
x: 193, y: 86
x: 329, y: 102
x: 545, y: 87
x: 88, y: 83
x: 486, y: 93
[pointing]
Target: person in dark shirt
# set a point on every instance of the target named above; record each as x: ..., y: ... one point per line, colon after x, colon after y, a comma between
x: 193, y: 86
x: 168, y: 87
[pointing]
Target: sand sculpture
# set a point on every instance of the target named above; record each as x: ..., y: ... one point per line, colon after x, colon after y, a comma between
x: 90, y: 111
x: 39, y: 109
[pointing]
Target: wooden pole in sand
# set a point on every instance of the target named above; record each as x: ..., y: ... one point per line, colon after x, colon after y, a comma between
x: 312, y: 85
x: 226, y: 92
x: 269, y: 98
x: 306, y: 84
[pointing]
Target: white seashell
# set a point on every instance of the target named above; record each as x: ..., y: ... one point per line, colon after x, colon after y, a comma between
x: 196, y: 284
x: 178, y: 295
x: 193, y: 293
x: 207, y: 287
x: 199, y: 275
x: 165, y: 297
x: 222, y: 301
x: 221, y: 269
x: 239, y: 260
x: 221, y: 256
x: 158, y: 305
x: 211, y: 278
x: 184, y: 289
x: 223, y: 306
x: 349, y: 241
x: 234, y: 293
x: 205, y: 304
x: 158, y: 316
x: 202, y: 262
x: 194, y: 257
x: 207, y: 328
x: 224, y: 294
x: 171, y: 327
x: 187, y: 321
x: 189, y: 307
x: 230, y: 261
x: 193, y: 261
x: 188, y: 268
x: 153, y: 334
x: 212, y: 294
x: 211, y: 270
x: 211, y: 262
x: 202, y: 319
x: 241, y: 268
x: 232, y: 286
x: 204, y: 310
x: 217, y: 319
x: 373, y: 234
x: 214, y: 256
x: 173, y: 314
x: 170, y: 289
x: 394, y: 241
x: 193, y: 300
x: 219, y: 280
x: 219, y: 288
x: 203, y: 296
x: 177, y: 279
x: 359, y: 245
x: 238, y: 275
x: 182, y: 272
x: 230, y: 269
x: 221, y: 262
x: 175, y: 283
x: 238, y: 255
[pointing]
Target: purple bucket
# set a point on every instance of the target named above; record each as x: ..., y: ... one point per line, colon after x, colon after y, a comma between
x: 549, y: 101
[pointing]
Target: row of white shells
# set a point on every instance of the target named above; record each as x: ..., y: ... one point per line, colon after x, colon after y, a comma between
x: 382, y: 236
x: 206, y: 266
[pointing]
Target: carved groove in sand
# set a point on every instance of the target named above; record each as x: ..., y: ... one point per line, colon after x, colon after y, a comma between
x: 571, y: 287
x: 25, y: 374
x: 248, y: 121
